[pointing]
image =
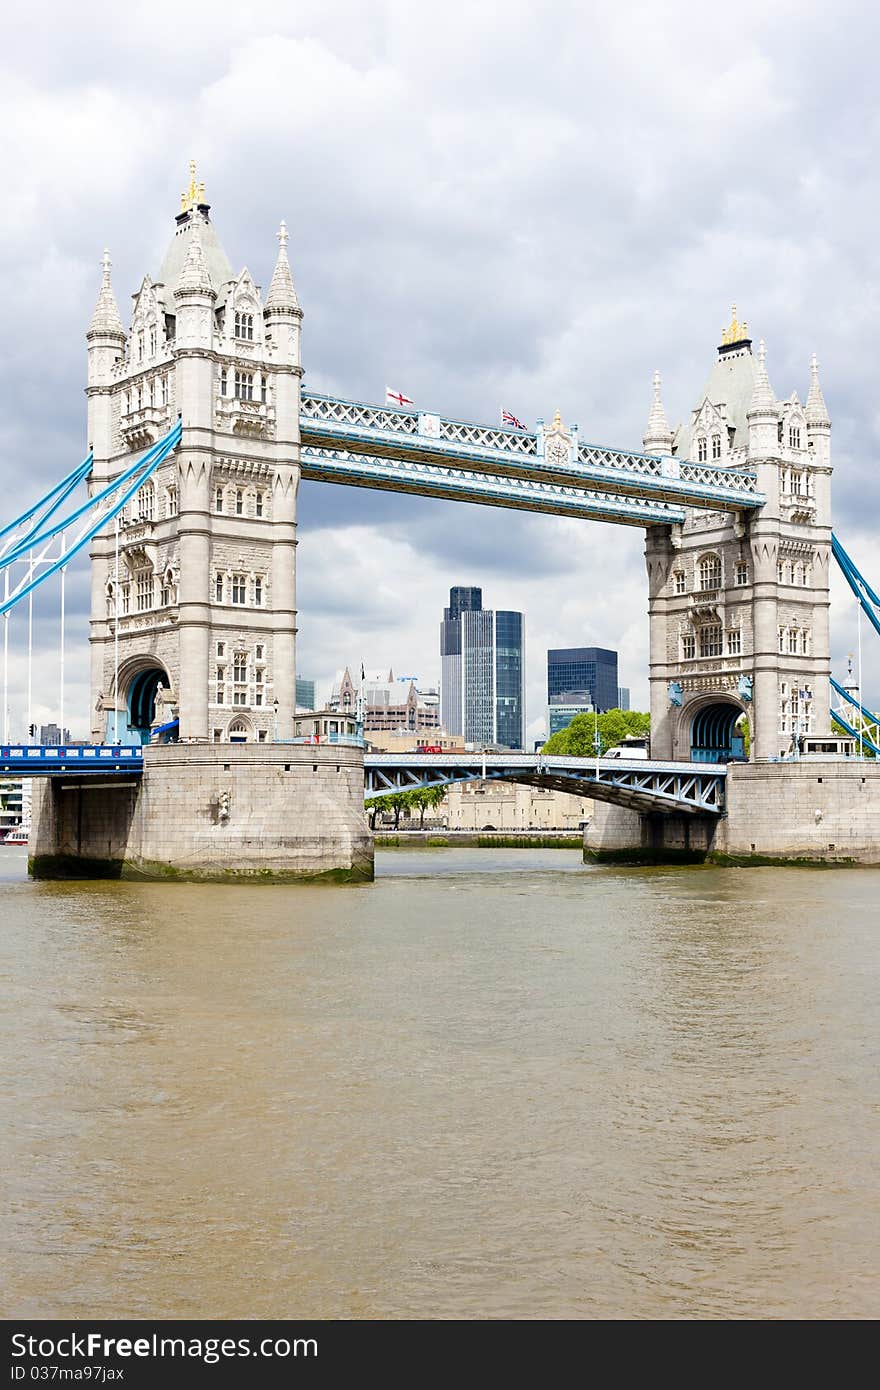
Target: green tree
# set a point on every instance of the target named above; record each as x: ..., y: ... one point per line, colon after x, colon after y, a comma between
x: 419, y: 799
x: 578, y: 740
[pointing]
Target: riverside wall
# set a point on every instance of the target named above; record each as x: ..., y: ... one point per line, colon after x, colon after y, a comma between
x: 209, y: 811
x: 810, y: 812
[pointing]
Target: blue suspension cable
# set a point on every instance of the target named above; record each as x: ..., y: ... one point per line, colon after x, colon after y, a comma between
x: 165, y: 447
x: 148, y: 462
x: 868, y: 599
x: 78, y: 473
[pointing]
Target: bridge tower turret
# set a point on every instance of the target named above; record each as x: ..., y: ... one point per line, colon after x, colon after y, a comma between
x: 201, y: 625
x: 739, y: 604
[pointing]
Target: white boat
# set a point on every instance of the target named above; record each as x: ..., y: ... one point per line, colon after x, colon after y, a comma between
x: 18, y: 835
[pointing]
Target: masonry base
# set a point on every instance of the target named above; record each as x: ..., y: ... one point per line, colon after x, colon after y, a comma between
x: 800, y: 813
x: 210, y: 812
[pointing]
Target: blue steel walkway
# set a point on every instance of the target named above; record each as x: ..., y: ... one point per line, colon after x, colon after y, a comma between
x: 21, y: 760
x: 692, y: 788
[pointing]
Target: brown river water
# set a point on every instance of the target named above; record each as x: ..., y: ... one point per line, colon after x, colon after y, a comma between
x: 492, y: 1084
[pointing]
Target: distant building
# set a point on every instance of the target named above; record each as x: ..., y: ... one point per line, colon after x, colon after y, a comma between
x: 623, y: 697
x: 405, y: 741
x: 387, y: 704
x: 325, y: 726
x: 560, y: 716
x: 582, y: 676
x: 305, y: 693
x: 15, y: 803
x: 482, y: 691
x: 51, y: 736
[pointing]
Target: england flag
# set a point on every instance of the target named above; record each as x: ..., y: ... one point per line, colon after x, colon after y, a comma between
x: 397, y: 398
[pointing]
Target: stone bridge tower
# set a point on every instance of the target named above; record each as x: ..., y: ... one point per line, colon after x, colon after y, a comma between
x: 738, y: 604
x: 197, y: 618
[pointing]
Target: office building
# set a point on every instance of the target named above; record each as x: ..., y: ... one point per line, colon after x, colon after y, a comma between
x: 53, y: 737
x: 560, y: 716
x: 582, y: 676
x: 482, y: 691
x: 623, y: 697
x: 305, y: 693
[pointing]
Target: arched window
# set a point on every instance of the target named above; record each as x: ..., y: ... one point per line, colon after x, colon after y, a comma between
x: 709, y: 572
x: 238, y: 731
x: 222, y: 381
x: 239, y: 502
x: 163, y: 390
x: 258, y: 504
x: 218, y: 589
x: 218, y: 499
x: 716, y: 446
x: 701, y: 449
x: 263, y: 389
x: 244, y: 326
x: 153, y: 342
x: 794, y: 436
x: 679, y: 582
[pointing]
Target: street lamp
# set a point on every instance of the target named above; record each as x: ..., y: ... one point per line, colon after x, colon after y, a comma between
x: 275, y: 721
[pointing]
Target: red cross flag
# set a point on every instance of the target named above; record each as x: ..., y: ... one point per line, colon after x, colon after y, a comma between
x: 396, y: 398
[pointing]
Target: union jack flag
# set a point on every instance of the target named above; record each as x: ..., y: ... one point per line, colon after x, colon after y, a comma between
x: 508, y: 419
x: 396, y: 398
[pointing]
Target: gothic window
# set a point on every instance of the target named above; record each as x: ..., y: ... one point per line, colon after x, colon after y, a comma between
x: 165, y: 591
x: 741, y: 573
x: 126, y: 597
x: 152, y: 342
x: 716, y: 446
x: 223, y: 375
x: 218, y: 500
x: 238, y: 589
x: 171, y: 501
x: 793, y: 635
x: 806, y: 640
x: 263, y: 389
x: 221, y: 648
x: 259, y: 651
x: 140, y: 398
x: 244, y: 326
x: 782, y: 639
x: 688, y: 646
x: 794, y: 437
x: 678, y: 582
x: 141, y: 346
x: 163, y: 390
x: 219, y: 694
x: 258, y: 504
x: 219, y: 675
x: 709, y: 571
x: 218, y: 596
x: 258, y: 591
x: 701, y: 449
x: 218, y: 734
x: 711, y: 640
x: 734, y: 641
x: 244, y: 386
x: 239, y: 502
x: 144, y: 590
x: 145, y: 502
x: 806, y: 575
x: 238, y: 732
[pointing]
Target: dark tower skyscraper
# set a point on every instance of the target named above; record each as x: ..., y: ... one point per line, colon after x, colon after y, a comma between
x: 482, y: 692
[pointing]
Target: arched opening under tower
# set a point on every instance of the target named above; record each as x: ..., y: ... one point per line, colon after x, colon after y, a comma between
x: 142, y: 702
x: 716, y: 734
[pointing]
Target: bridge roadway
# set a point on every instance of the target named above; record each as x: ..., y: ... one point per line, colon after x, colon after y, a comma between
x: 693, y: 788
x: 410, y: 450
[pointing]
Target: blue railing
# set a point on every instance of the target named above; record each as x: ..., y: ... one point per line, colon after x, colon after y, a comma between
x: 41, y: 760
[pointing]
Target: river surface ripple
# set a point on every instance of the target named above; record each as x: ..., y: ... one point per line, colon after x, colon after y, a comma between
x: 492, y: 1084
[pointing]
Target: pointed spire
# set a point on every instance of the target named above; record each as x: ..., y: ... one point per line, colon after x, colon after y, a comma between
x: 816, y: 409
x: 282, y: 292
x: 106, y: 318
x: 195, y: 277
x: 658, y: 434
x: 763, y: 400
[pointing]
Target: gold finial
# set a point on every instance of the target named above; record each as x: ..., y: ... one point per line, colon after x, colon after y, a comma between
x: 195, y: 194
x: 557, y: 421
x: 737, y: 330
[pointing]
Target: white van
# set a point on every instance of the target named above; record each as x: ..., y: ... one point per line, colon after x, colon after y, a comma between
x: 622, y: 751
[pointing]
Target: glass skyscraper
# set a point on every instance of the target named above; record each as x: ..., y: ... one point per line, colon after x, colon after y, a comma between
x: 582, y: 675
x: 482, y: 692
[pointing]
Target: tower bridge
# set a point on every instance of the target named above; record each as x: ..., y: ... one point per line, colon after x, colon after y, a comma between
x: 200, y: 432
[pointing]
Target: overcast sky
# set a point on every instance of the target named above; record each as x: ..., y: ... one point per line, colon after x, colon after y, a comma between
x: 488, y: 204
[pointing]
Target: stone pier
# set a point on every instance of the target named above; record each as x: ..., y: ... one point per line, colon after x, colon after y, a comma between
x: 807, y: 812
x: 226, y: 812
